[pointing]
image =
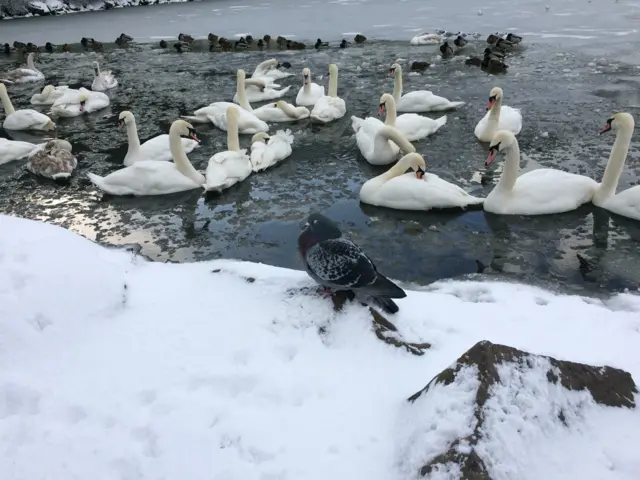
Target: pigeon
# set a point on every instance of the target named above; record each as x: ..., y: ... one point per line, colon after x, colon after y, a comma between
x: 339, y: 264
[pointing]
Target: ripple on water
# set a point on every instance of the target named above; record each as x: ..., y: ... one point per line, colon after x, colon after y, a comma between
x: 259, y: 219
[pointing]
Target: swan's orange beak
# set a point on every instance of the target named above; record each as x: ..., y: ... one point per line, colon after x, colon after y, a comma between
x: 391, y: 72
x: 193, y: 136
x: 490, y: 104
x: 381, y: 109
x: 81, y: 106
x: 491, y: 157
x: 606, y: 128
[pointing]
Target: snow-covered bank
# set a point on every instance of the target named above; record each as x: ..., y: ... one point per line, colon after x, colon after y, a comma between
x: 25, y: 8
x: 118, y: 368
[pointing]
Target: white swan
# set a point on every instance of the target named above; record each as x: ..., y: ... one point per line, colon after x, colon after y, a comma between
x: 102, y: 80
x: 378, y: 143
x: 498, y: 117
x: 425, y: 38
x: 329, y: 107
x: 418, y: 100
x: 270, y: 69
x: 417, y: 190
x: 266, y: 151
x: 23, y: 75
x: 11, y: 150
x: 53, y: 160
x: 49, y: 95
x: 412, y: 125
x: 539, y: 192
x: 157, y: 148
x: 257, y: 90
x: 309, y: 92
x: 216, y: 112
x: 26, y: 119
x: 77, y: 102
x: 232, y: 166
x: 281, y: 111
x: 156, y: 178
x: 627, y: 202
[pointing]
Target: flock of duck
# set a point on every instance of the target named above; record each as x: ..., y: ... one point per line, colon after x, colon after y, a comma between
x: 148, y: 169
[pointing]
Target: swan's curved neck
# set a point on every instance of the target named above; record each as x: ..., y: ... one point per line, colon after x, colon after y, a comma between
x: 397, y: 84
x: 306, y: 85
x: 6, y: 103
x: 96, y: 70
x: 289, y: 109
x: 233, y: 142
x: 392, y: 115
x: 511, y: 168
x: 333, y: 84
x: 615, y: 165
x: 30, y: 64
x: 132, y: 137
x: 242, y: 95
x: 265, y: 66
x: 398, y: 169
x: 391, y: 133
x: 180, y: 159
x: 494, y: 113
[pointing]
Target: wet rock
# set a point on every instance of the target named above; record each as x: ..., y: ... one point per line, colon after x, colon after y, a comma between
x: 502, y: 385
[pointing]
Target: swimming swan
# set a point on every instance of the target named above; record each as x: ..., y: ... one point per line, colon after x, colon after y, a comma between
x: 539, y: 192
x: 378, y: 143
x: 231, y: 166
x: 26, y: 119
x: 418, y: 100
x: 102, y: 80
x: 281, y: 111
x: 53, y: 160
x: 267, y: 151
x: 417, y: 190
x: 498, y: 117
x: 157, y: 148
x: 310, y: 92
x: 77, y: 102
x: 23, y: 75
x: 156, y: 178
x: 329, y: 107
x: 412, y: 125
x: 627, y: 202
x: 48, y: 95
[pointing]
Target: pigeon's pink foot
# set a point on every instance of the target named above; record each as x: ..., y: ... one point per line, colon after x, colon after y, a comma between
x: 325, y: 292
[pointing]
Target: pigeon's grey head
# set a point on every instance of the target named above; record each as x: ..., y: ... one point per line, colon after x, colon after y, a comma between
x: 317, y: 228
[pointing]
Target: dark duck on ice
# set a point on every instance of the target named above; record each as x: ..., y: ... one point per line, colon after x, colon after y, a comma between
x: 338, y: 264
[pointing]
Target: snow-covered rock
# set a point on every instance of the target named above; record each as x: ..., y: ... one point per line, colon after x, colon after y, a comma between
x: 23, y: 8
x: 499, y: 413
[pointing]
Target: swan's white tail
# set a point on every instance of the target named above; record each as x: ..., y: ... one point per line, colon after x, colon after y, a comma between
x: 356, y: 123
x: 98, y: 181
x: 195, y: 119
x: 441, y: 121
x: 57, y: 176
x: 455, y: 104
x: 285, y: 135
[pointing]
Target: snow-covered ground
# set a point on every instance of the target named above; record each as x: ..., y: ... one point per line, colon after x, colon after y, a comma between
x: 25, y: 8
x: 112, y: 367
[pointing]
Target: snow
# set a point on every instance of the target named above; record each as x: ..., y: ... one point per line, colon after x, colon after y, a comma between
x: 116, y: 368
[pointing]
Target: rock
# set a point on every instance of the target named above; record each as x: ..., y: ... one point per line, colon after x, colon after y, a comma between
x: 497, y: 401
x: 21, y: 8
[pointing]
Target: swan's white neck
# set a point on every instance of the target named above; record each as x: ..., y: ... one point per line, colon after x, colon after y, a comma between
x: 511, y: 168
x: 180, y: 158
x: 30, y: 64
x: 242, y: 94
x: 132, y: 137
x: 397, y: 84
x: 233, y: 141
x: 333, y: 84
x: 6, y: 103
x: 494, y: 114
x: 392, y: 114
x: 306, y: 84
x: 289, y: 109
x: 614, y: 168
x: 96, y: 70
x: 390, y: 133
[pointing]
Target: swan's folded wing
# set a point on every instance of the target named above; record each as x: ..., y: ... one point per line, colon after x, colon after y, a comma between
x: 341, y: 262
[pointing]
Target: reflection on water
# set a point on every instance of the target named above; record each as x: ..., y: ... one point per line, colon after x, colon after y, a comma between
x: 563, y: 102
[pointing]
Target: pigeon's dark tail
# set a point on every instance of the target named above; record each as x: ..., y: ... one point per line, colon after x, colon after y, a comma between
x: 388, y: 305
x: 385, y: 288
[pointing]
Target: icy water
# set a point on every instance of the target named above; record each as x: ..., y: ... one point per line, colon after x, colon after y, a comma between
x: 566, y: 84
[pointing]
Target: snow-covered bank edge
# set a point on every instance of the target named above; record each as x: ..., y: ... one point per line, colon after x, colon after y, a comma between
x: 10, y: 9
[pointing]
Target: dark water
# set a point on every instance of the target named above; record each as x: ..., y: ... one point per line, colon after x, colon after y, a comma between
x: 565, y: 95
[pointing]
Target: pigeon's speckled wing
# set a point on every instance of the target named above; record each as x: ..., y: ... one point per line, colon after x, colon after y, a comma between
x: 341, y: 262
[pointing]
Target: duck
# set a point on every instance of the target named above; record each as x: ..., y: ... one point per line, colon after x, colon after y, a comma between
x: 157, y: 148
x: 267, y: 40
x: 49, y: 47
x: 498, y: 117
x: 493, y: 38
x: 156, y: 178
x: 513, y: 38
x: 249, y: 39
x: 344, y: 43
x: 543, y: 191
x: 359, y: 38
x: 270, y: 69
x: 123, y: 39
x: 426, y: 38
x: 53, y: 160
x: 96, y: 45
x: 26, y: 119
x: 445, y: 50
x: 413, y: 126
x: 216, y: 113
x: 329, y: 107
x: 281, y: 111
x: 627, y: 202
x: 267, y: 151
x: 460, y: 41
x: 48, y: 95
x: 293, y: 45
x: 260, y: 44
x: 163, y: 44
x: 66, y: 48
x: 259, y: 90
x: 319, y: 43
x: 23, y: 75
x: 6, y: 49
x: 310, y: 92
x: 419, y: 100
x: 102, y: 80
x: 185, y: 38
x: 281, y: 41
x: 86, y: 42
x: 473, y: 61
x: 241, y: 44
x: 503, y: 45
x: 494, y: 52
x: 379, y: 144
x: 493, y: 64
x: 78, y: 102
x: 11, y: 150
x: 213, y: 38
x: 417, y: 190
x: 232, y: 166
x: 419, y: 66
